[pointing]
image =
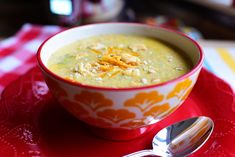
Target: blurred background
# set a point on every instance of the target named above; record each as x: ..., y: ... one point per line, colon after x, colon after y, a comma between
x: 208, y: 19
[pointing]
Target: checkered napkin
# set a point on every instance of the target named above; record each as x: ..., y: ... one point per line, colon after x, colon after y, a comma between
x: 17, y: 53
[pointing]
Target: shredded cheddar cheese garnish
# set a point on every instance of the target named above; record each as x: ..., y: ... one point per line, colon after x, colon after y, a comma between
x: 113, y: 57
x: 96, y: 51
x: 105, y: 68
x: 117, y: 57
x: 115, y: 73
x: 102, y: 75
x: 115, y: 61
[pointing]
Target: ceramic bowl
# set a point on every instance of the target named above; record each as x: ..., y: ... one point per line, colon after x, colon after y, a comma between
x: 121, y: 109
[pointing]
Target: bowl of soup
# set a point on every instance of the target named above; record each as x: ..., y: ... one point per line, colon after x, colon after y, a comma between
x: 120, y: 78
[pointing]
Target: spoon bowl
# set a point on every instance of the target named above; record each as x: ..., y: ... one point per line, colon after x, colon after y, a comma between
x: 180, y: 139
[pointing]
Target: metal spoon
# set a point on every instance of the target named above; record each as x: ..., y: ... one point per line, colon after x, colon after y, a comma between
x: 179, y: 139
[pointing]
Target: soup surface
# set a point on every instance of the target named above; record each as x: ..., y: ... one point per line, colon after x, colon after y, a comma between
x: 119, y: 61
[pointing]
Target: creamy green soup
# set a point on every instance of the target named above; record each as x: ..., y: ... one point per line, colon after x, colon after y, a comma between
x: 119, y: 61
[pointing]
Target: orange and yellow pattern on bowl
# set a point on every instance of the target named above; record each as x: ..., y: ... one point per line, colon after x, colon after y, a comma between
x: 123, y: 110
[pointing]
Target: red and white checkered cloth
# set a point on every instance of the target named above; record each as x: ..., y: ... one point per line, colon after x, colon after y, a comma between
x: 18, y: 53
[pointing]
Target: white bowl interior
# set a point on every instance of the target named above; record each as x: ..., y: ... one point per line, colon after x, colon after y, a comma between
x: 78, y: 33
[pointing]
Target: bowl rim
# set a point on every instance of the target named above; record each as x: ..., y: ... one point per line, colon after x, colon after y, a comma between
x: 74, y: 83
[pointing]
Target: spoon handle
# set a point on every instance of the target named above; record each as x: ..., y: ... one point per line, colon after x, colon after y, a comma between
x: 141, y: 153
